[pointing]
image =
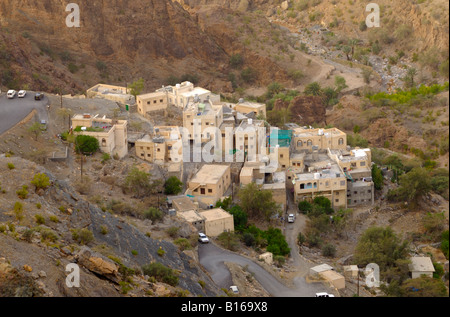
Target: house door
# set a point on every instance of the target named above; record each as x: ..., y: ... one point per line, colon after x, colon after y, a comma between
x: 202, y: 191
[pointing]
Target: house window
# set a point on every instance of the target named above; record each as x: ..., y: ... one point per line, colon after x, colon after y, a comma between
x: 362, y: 164
x: 315, y: 185
x: 209, y: 190
x: 342, y: 183
x: 154, y: 101
x: 309, y: 143
x: 161, y: 101
x: 281, y: 155
x: 341, y: 141
x: 302, y: 186
x: 202, y: 191
x: 299, y: 144
x: 337, y: 200
x: 309, y: 185
x: 103, y: 142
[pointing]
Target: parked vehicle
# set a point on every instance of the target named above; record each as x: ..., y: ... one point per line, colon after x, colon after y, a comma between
x: 39, y: 96
x: 202, y: 238
x: 43, y: 125
x: 234, y: 289
x: 22, y: 93
x: 11, y: 94
x: 324, y: 295
x: 291, y: 218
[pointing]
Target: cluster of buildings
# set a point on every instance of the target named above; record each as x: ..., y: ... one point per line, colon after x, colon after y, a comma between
x: 304, y: 161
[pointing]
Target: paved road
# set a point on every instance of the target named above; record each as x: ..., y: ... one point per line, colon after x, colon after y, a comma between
x: 12, y: 111
x: 212, y: 258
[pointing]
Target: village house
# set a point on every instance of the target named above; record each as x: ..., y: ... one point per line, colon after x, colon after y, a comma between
x: 305, y: 139
x: 202, y: 119
x: 151, y: 102
x: 247, y: 107
x: 111, y: 134
x: 421, y: 266
x: 114, y: 93
x: 210, y: 183
x: 160, y: 148
x: 180, y: 94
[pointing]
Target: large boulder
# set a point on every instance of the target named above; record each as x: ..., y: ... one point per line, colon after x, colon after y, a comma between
x: 98, y: 264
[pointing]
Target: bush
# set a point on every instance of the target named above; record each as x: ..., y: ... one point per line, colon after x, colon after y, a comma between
x: 329, y: 250
x: 236, y: 60
x: 183, y: 244
x: 248, y: 75
x: 161, y: 273
x: 22, y: 193
x: 11, y: 166
x: 83, y: 236
x: 40, y: 219
x: 173, y: 186
x: 305, y: 206
x: 40, y: 181
x: 153, y: 214
x: 18, y: 210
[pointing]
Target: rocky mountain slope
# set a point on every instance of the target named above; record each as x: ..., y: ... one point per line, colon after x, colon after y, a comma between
x: 39, y: 240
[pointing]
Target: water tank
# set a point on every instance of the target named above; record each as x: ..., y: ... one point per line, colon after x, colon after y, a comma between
x: 241, y: 100
x: 320, y: 131
x: 178, y: 85
x: 316, y: 175
x: 250, y: 121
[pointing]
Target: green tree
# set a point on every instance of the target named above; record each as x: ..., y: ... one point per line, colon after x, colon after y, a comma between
x: 154, y: 214
x: 381, y: 246
x: 324, y: 204
x: 240, y: 218
x: 257, y: 202
x: 413, y: 185
x: 136, y: 87
x: 35, y: 129
x: 86, y: 144
x: 377, y: 177
x: 249, y: 75
x: 305, y: 206
x: 173, y: 186
x: 139, y: 183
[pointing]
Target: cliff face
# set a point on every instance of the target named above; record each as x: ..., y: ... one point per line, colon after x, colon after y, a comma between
x: 132, y: 38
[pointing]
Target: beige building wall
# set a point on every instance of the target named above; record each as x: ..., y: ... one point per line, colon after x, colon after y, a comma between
x: 210, y: 183
x: 247, y: 107
x: 217, y: 221
x: 210, y: 120
x: 114, y: 139
x: 155, y: 101
x: 305, y: 139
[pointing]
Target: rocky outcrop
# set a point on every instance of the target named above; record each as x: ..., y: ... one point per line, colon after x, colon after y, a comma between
x: 98, y: 264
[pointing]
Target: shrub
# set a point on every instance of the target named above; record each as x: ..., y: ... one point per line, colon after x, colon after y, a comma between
x: 183, y: 244
x: 18, y: 210
x: 329, y: 250
x: 173, y: 186
x: 53, y: 219
x: 305, y: 206
x: 161, y: 273
x: 154, y: 214
x: 11, y: 166
x: 103, y: 230
x: 22, y: 193
x: 83, y: 236
x: 236, y: 60
x: 248, y: 75
x: 40, y: 181
x: 40, y: 219
x: 173, y: 231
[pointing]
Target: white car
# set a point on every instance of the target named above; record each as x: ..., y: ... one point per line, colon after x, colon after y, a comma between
x: 291, y: 218
x: 203, y: 238
x: 22, y: 93
x: 324, y: 295
x: 11, y: 94
x: 234, y: 289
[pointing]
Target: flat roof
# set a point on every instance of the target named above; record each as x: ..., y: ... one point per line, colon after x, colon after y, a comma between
x: 210, y: 174
x: 152, y: 94
x: 215, y: 214
x: 302, y: 132
x: 251, y: 104
x: 191, y: 216
x: 421, y: 264
x: 183, y: 204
